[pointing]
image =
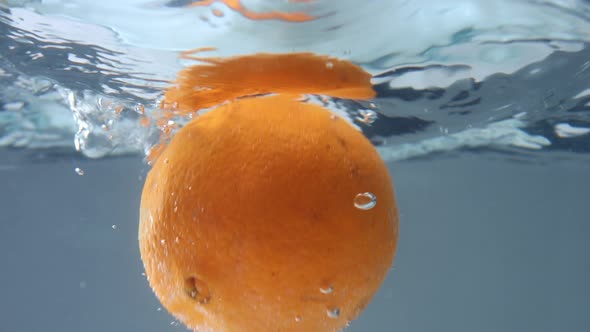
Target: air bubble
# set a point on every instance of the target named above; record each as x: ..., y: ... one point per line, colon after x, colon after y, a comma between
x: 367, y: 117
x: 326, y: 290
x: 365, y: 201
x: 79, y: 171
x: 333, y: 313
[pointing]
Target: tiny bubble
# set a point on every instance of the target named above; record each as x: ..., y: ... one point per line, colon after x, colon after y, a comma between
x: 79, y: 171
x: 333, y: 313
x: 367, y: 117
x: 365, y: 201
x: 114, y: 226
x: 326, y: 290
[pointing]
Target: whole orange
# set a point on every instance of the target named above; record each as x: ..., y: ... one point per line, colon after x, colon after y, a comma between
x: 253, y: 219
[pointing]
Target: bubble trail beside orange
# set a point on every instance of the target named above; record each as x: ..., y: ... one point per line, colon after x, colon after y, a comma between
x: 267, y: 213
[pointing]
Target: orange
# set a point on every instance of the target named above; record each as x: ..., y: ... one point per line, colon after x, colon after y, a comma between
x: 250, y: 219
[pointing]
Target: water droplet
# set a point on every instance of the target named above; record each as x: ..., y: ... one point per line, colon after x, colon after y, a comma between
x: 166, y: 161
x: 367, y: 117
x: 333, y: 117
x: 333, y: 313
x: 298, y: 319
x: 177, y: 240
x: 329, y: 65
x: 140, y: 109
x: 163, y: 242
x: 197, y: 289
x: 326, y: 290
x: 159, y: 309
x: 79, y: 171
x: 365, y: 201
x: 114, y: 226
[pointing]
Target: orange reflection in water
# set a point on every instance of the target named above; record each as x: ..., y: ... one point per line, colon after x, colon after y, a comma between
x: 236, y: 5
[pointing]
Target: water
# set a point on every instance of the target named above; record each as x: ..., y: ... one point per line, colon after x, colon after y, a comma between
x: 483, y: 115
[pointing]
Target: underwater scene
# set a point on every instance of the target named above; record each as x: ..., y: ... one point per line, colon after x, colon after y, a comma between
x: 295, y: 165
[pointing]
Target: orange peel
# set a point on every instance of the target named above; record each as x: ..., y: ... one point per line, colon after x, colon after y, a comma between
x: 248, y: 219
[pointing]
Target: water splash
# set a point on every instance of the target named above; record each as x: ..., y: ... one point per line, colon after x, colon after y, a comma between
x: 471, y: 75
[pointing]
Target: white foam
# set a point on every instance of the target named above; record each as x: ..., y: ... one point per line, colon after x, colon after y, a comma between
x: 565, y: 130
x: 499, y: 134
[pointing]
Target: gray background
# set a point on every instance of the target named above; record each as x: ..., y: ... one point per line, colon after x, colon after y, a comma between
x: 487, y: 244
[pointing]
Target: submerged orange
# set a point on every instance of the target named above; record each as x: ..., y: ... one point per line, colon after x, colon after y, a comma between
x: 248, y: 219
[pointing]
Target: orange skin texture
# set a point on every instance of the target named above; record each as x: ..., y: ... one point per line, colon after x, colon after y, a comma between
x: 248, y: 214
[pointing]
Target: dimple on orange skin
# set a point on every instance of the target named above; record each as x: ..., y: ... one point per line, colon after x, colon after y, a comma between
x: 247, y: 219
